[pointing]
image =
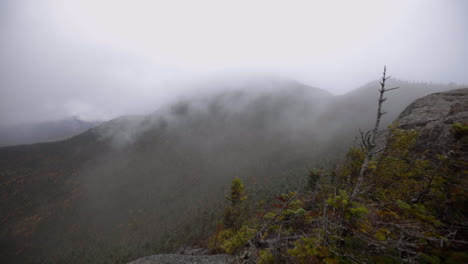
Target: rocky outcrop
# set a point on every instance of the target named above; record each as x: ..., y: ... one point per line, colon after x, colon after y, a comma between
x: 434, y: 116
x: 185, y: 259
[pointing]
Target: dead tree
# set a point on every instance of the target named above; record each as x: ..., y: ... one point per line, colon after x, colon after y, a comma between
x: 369, y: 138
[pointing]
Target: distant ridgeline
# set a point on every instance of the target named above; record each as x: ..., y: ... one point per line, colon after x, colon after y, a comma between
x: 43, y: 131
x: 137, y: 186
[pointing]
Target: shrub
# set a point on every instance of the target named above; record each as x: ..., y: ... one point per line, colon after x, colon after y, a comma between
x: 266, y: 257
x: 231, y: 240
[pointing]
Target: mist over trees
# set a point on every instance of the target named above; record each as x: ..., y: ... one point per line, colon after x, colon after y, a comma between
x: 237, y: 128
x: 138, y: 185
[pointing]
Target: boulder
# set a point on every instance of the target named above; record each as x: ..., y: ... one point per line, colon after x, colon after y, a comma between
x: 434, y: 116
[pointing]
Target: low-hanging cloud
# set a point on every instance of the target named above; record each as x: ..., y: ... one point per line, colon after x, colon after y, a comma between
x: 102, y: 59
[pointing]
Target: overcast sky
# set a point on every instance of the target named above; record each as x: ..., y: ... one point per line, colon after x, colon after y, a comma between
x: 103, y: 58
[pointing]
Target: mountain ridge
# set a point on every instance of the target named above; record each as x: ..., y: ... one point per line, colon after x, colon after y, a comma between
x: 170, y: 173
x: 434, y: 117
x: 46, y: 131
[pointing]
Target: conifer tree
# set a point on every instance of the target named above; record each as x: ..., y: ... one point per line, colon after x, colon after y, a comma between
x: 237, y: 192
x: 234, y: 214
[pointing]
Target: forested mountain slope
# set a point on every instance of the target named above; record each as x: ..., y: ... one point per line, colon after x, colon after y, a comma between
x: 409, y: 208
x: 144, y: 184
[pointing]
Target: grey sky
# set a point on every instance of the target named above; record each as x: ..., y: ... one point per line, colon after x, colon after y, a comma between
x: 100, y: 59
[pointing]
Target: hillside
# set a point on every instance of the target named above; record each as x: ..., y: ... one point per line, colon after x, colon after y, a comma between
x: 30, y: 133
x: 139, y: 185
x: 411, y: 207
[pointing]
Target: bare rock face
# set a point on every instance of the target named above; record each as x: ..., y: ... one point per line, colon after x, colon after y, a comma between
x: 185, y: 259
x: 434, y: 116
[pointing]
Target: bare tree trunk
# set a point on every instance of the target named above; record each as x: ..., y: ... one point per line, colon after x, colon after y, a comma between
x: 371, y: 140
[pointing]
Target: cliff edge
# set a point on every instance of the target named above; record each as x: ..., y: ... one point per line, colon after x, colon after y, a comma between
x: 434, y: 116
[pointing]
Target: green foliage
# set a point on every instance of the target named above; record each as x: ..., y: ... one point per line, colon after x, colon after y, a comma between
x: 293, y: 217
x: 339, y: 201
x: 266, y: 257
x: 408, y: 211
x: 234, y: 216
x: 358, y: 210
x: 237, y: 192
x: 460, y: 130
x: 403, y: 205
x: 408, y: 199
x: 269, y: 215
x: 382, y: 234
x: 350, y: 210
x: 419, y: 212
x: 310, y: 250
x: 230, y: 240
x: 236, y: 212
x: 354, y: 159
